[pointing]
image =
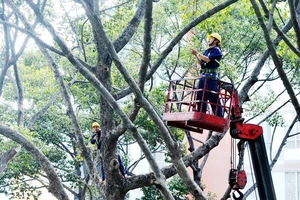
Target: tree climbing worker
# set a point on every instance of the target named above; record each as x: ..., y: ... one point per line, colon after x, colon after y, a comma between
x: 95, y: 139
x: 209, y: 62
x: 96, y: 135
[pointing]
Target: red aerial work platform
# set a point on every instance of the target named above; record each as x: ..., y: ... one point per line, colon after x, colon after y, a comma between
x: 181, y: 106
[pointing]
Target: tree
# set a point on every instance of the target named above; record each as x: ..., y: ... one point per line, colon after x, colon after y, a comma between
x: 97, y: 53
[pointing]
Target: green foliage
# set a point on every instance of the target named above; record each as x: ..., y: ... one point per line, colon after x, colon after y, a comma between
x: 8, y: 113
x: 211, y: 196
x: 176, y: 186
x: 16, y: 176
x: 276, y: 120
x: 150, y: 193
x: 118, y: 18
x: 16, y: 181
x: 259, y: 103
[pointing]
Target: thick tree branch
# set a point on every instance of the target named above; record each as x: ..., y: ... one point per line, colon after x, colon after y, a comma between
x: 169, y: 171
x: 55, y: 186
x: 131, y: 28
x: 19, y: 92
x: 147, y: 44
x: 145, y: 60
x: 7, y: 53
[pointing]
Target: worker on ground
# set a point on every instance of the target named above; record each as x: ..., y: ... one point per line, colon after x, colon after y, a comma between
x: 209, y: 62
x: 95, y: 139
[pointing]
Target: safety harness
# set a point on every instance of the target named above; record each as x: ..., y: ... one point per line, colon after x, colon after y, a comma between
x: 210, y: 70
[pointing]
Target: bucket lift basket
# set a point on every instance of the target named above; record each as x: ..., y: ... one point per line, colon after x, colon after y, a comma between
x: 181, y: 106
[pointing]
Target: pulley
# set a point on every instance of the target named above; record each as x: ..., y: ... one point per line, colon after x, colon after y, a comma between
x: 237, y: 179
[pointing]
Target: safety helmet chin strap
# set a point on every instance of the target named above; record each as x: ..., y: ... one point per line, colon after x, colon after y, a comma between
x: 213, y: 42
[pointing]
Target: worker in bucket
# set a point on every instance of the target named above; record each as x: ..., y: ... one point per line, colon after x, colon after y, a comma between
x: 95, y: 139
x: 209, y: 62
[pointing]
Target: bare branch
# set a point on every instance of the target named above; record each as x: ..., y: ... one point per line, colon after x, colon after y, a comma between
x: 277, y: 29
x: 276, y: 60
x: 7, y: 157
x: 243, y: 93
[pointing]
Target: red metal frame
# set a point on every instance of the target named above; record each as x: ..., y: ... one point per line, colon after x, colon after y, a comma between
x: 181, y: 106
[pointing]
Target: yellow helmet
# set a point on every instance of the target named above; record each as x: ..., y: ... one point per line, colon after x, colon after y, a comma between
x: 95, y: 124
x: 217, y: 36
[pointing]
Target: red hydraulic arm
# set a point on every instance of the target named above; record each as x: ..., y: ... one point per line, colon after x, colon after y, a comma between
x: 253, y: 135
